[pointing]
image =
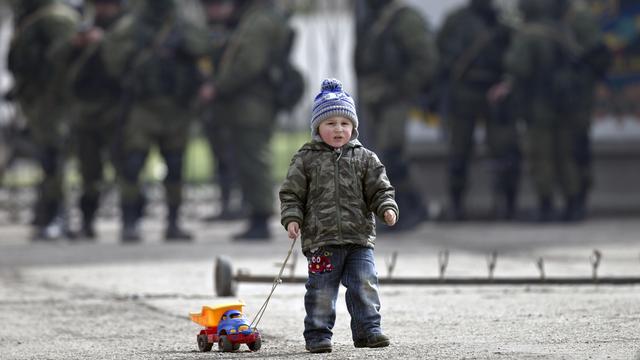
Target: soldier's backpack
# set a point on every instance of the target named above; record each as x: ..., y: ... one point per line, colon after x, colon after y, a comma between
x: 286, y: 78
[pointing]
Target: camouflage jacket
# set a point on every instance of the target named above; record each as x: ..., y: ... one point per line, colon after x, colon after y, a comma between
x: 38, y: 55
x: 593, y: 57
x: 396, y: 56
x: 250, y: 54
x: 540, y: 64
x: 155, y: 61
x: 471, y: 50
x: 95, y: 93
x: 335, y: 194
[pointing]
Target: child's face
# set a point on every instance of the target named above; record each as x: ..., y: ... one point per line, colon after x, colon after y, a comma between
x: 336, y: 131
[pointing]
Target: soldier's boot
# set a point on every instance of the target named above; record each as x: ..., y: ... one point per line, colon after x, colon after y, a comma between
x: 258, y: 229
x: 48, y: 226
x: 511, y: 198
x: 573, y: 210
x: 504, y: 206
x: 227, y: 213
x: 174, y: 232
x: 225, y: 201
x: 546, y: 211
x: 39, y: 210
x: 130, y: 232
x: 227, y: 210
x: 88, y: 207
x: 582, y: 199
x: 139, y: 207
x: 457, y: 211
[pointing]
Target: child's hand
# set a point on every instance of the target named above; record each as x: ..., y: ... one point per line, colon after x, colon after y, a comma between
x: 390, y: 217
x: 293, y: 228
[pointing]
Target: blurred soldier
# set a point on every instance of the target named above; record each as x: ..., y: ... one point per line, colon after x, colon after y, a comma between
x: 540, y: 64
x: 593, y: 60
x: 155, y: 54
x: 241, y: 82
x: 97, y: 96
x: 38, y: 55
x: 395, y: 60
x: 472, y: 43
x: 220, y: 23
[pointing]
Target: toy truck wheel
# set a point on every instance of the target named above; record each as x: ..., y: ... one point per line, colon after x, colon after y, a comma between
x: 224, y: 283
x: 256, y: 345
x: 203, y: 343
x: 224, y: 344
x: 236, y: 347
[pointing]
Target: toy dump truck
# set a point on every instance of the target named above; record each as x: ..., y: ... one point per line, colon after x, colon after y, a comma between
x: 226, y: 325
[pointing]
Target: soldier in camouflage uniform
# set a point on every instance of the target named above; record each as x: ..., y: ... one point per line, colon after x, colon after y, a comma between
x: 156, y: 55
x: 40, y: 48
x: 472, y: 43
x: 242, y: 84
x: 221, y: 23
x: 539, y: 64
x: 97, y: 96
x: 395, y: 59
x: 333, y: 190
x: 593, y: 60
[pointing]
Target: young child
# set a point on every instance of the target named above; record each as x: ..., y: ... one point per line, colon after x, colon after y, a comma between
x: 332, y: 191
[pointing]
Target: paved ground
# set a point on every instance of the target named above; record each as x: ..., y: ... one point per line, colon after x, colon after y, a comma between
x: 104, y: 300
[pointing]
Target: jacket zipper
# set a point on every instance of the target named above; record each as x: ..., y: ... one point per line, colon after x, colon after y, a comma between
x: 337, y: 192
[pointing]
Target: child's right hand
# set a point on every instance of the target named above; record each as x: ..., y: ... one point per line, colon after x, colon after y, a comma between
x: 294, y: 230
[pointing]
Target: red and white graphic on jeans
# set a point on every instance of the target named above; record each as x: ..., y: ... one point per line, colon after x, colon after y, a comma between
x: 320, y: 262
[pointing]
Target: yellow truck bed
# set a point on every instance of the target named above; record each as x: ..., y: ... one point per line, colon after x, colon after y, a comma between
x: 210, y: 315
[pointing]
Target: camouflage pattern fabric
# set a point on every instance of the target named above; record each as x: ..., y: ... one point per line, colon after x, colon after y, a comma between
x: 157, y: 62
x: 249, y: 54
x: 246, y: 95
x: 472, y: 44
x: 334, y: 195
x: 396, y: 57
x: 395, y: 60
x: 532, y: 62
x: 38, y: 55
x: 594, y: 60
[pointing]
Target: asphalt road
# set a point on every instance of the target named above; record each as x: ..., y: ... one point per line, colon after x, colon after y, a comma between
x: 103, y: 300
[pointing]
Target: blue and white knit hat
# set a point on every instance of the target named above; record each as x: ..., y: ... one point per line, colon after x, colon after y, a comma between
x: 332, y: 101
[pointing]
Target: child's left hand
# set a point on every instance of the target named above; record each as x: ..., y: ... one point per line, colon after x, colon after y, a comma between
x: 390, y: 217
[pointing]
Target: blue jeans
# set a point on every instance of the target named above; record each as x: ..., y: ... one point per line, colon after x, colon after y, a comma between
x: 354, y: 267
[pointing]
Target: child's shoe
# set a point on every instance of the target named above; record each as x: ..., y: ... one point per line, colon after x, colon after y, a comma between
x: 373, y: 341
x: 319, y: 346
